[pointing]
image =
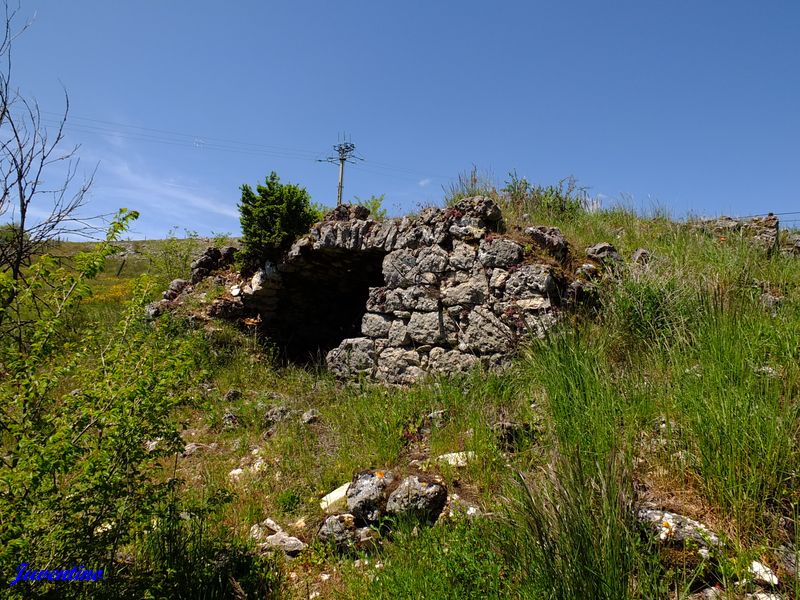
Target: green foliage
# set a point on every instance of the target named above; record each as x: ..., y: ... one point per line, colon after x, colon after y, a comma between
x: 740, y: 429
x: 375, y: 205
x: 181, y: 556
x: 172, y: 257
x: 288, y: 501
x: 519, y: 196
x: 456, y: 561
x: 649, y: 310
x: 272, y: 217
x: 86, y: 422
x: 8, y: 233
x: 574, y: 534
x: 319, y: 211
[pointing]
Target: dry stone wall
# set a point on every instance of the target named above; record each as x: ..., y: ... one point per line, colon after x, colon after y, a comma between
x: 438, y: 292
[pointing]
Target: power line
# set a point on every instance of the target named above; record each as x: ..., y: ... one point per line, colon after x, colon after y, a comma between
x: 346, y: 153
x: 176, y: 138
x: 780, y: 214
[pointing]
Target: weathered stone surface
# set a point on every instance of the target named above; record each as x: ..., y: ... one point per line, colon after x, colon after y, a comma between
x: 603, y: 252
x: 762, y: 232
x: 672, y: 527
x: 176, y: 286
x: 451, y: 362
x: 375, y: 326
x: 416, y: 297
x: 156, y: 309
x: 417, y: 499
x: 499, y: 252
x: 531, y: 281
x: 486, y: 333
x: 275, y: 414
x: 353, y: 357
x: 366, y: 496
x: 439, y: 291
x: 398, y: 334
x: 290, y: 545
x: 427, y: 327
x: 204, y: 264
x: 335, y: 500
x: 399, y: 365
x: 400, y: 268
x: 339, y: 530
x: 473, y: 291
x: 550, y: 239
x: 433, y: 259
x: 463, y: 256
x: 498, y: 279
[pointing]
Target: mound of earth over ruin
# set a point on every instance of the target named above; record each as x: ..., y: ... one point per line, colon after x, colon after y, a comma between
x: 391, y: 300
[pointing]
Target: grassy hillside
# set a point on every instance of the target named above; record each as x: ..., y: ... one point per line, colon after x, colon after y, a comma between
x: 679, y: 389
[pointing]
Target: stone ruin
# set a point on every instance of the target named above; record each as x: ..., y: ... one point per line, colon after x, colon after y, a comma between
x: 392, y: 300
x: 439, y: 292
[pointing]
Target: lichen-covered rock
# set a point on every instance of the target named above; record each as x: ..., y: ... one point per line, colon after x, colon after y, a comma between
x: 366, y: 496
x: 156, y: 309
x: 486, y: 333
x: 531, y: 281
x: 375, y: 326
x: 672, y: 527
x: 451, y: 362
x: 427, y: 327
x: 399, y: 365
x: 339, y: 530
x: 176, y: 286
x: 550, y: 239
x: 499, y: 252
x: 353, y: 357
x: 290, y: 545
x: 342, y: 532
x: 603, y: 252
x: 417, y: 499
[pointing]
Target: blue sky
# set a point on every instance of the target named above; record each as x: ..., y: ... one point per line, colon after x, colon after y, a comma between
x: 693, y: 106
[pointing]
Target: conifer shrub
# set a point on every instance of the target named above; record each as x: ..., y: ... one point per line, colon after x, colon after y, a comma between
x: 272, y: 217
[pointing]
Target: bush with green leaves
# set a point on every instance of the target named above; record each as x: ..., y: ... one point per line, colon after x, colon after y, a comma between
x: 171, y: 258
x: 87, y: 425
x: 375, y: 206
x: 272, y: 217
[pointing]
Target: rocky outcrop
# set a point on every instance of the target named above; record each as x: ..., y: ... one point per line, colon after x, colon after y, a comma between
x: 761, y: 231
x: 393, y: 300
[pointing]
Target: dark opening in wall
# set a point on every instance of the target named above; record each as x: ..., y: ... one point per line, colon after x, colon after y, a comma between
x: 322, y: 302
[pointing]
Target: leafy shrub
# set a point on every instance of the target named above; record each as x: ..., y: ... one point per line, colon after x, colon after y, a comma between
x: 172, y: 257
x: 375, y: 206
x: 86, y: 419
x: 272, y: 217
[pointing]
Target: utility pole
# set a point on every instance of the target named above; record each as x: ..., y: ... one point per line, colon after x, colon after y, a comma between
x: 345, y: 152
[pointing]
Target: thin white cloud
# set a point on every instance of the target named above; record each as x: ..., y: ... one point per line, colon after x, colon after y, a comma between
x: 424, y: 182
x: 163, y: 195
